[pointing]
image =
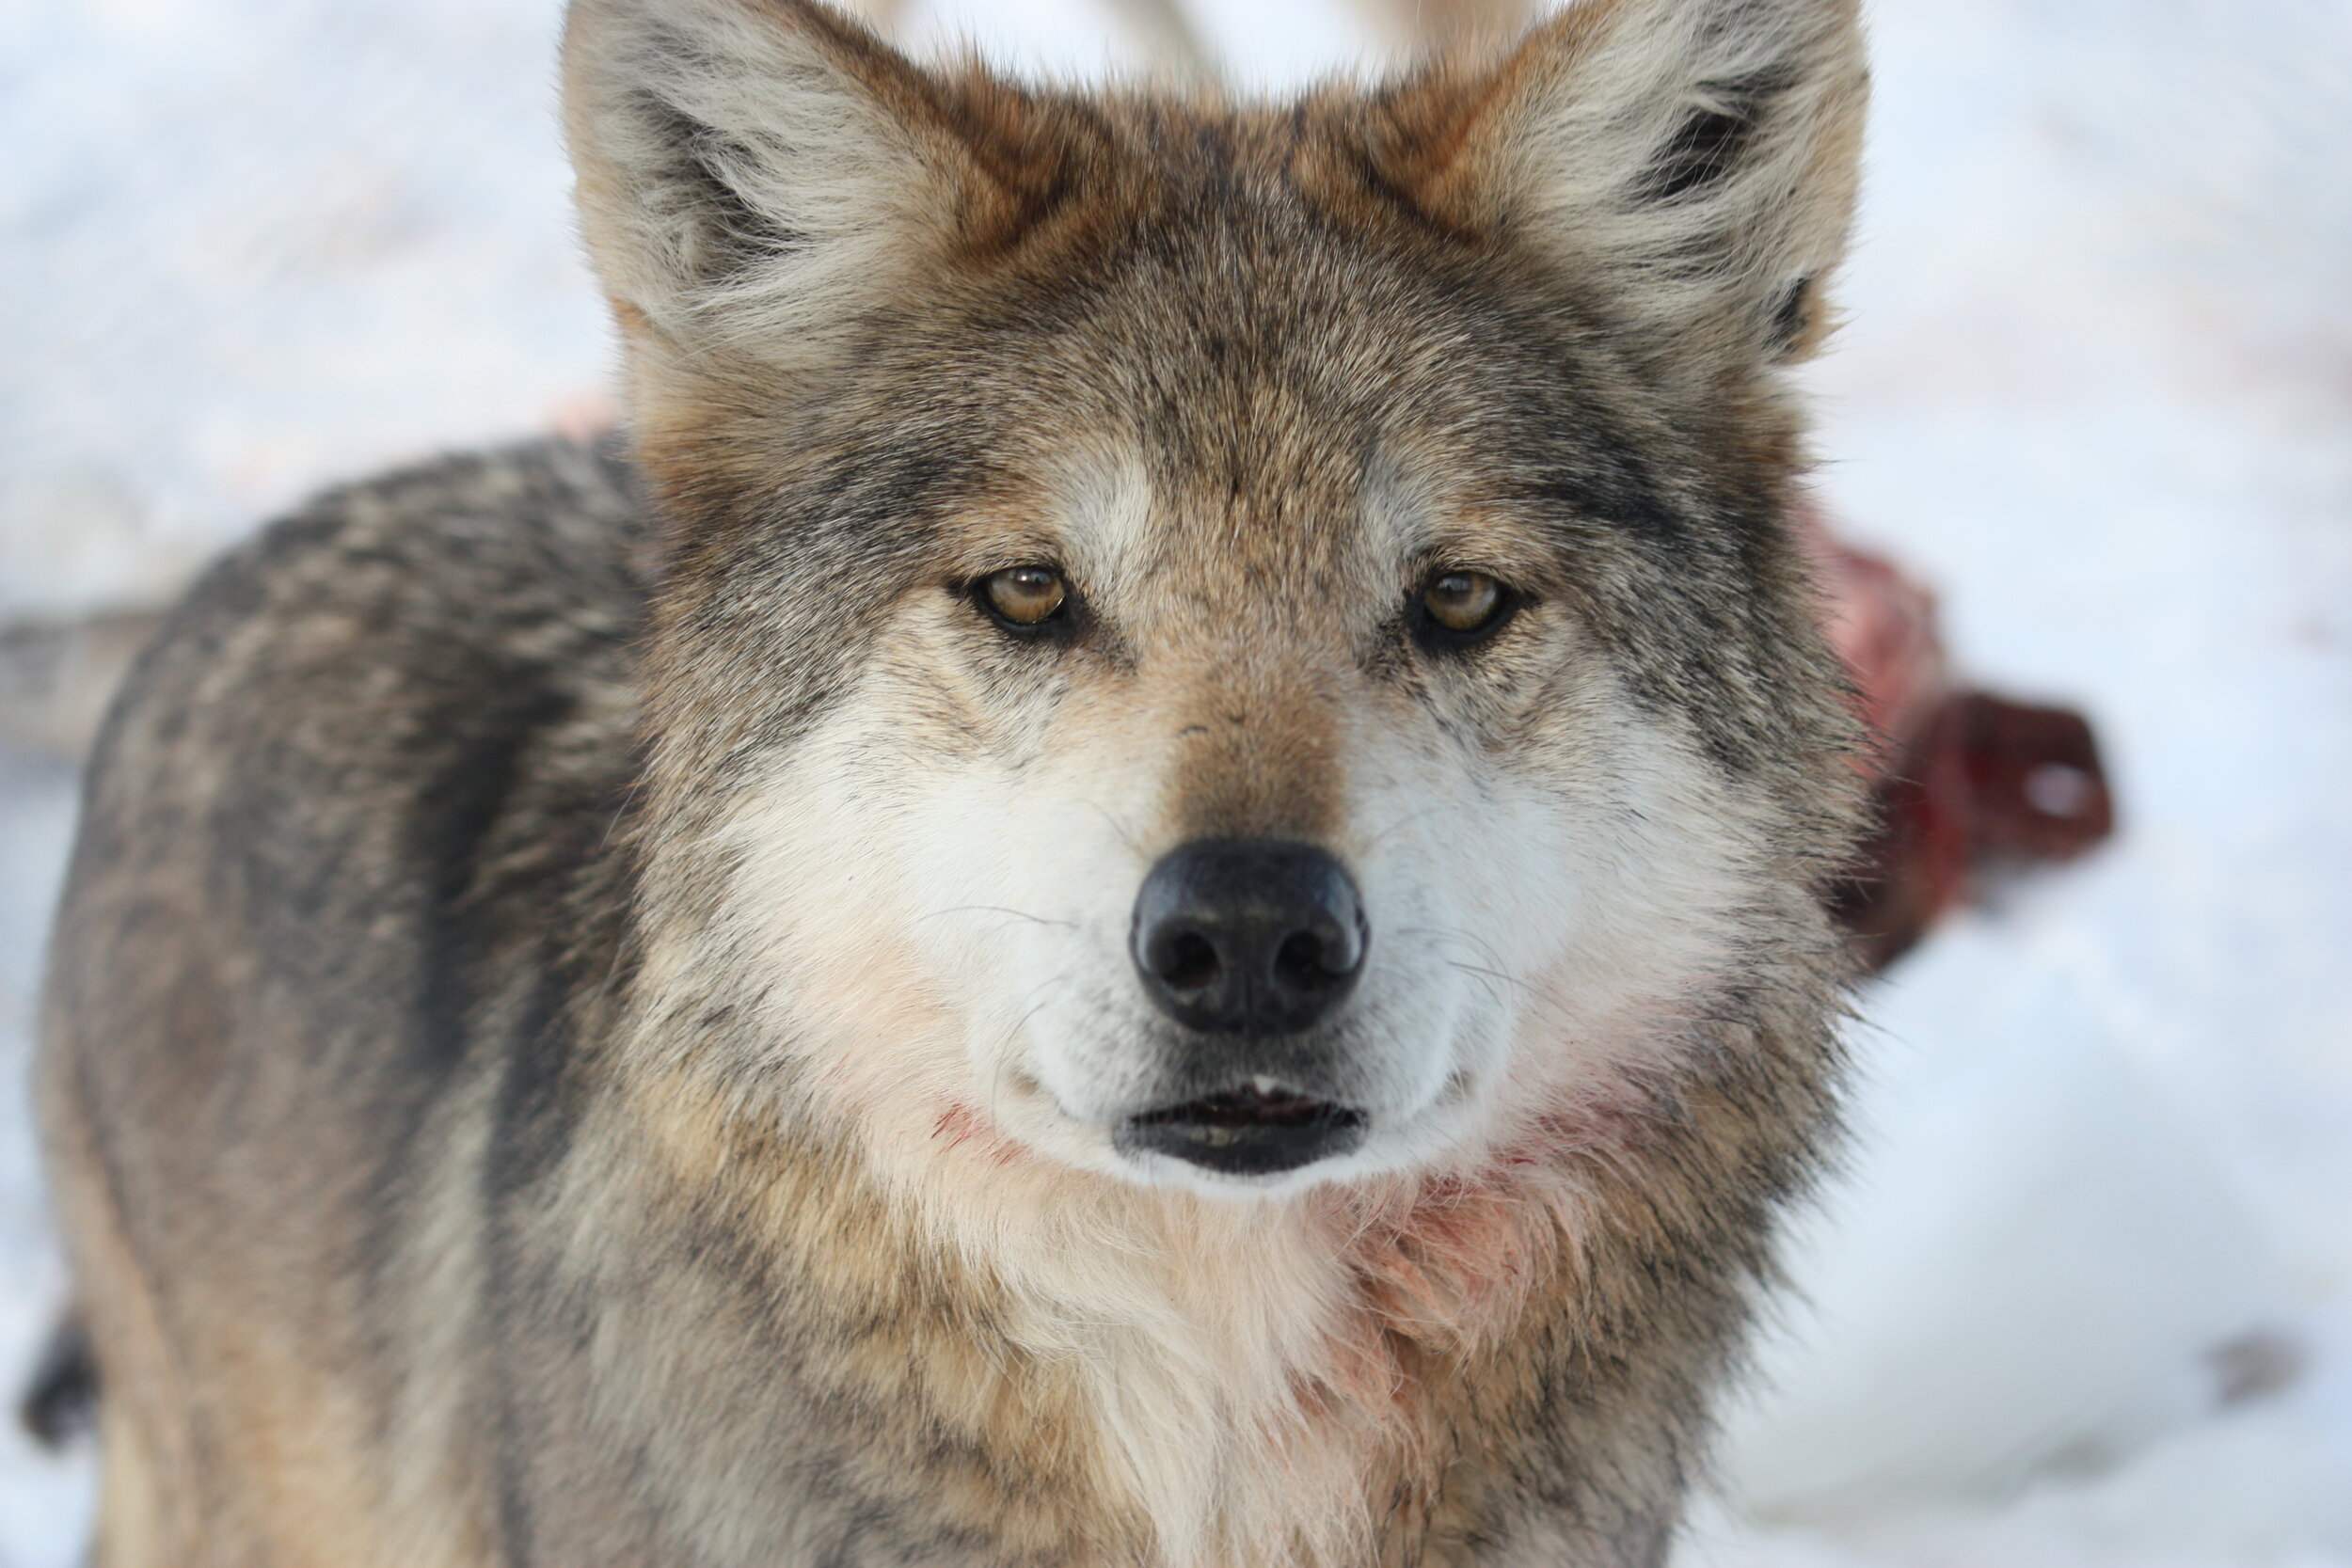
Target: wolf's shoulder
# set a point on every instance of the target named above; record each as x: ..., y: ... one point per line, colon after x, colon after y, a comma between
x: 354, y: 714
x: 480, y: 543
x: 452, y: 580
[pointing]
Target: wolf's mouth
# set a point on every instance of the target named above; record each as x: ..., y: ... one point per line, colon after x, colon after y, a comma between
x: 1247, y: 1131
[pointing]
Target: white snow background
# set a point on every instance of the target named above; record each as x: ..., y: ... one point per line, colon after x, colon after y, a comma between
x: 2097, y: 388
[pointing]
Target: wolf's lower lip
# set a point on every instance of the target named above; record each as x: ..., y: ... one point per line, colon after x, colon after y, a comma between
x: 1245, y: 1133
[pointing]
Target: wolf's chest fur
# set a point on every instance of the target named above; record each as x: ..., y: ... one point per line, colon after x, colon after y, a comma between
x: 1143, y: 890
x: 1330, y: 1383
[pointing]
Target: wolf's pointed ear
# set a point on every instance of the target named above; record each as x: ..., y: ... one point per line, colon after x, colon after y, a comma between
x: 1694, y: 161
x: 753, y: 175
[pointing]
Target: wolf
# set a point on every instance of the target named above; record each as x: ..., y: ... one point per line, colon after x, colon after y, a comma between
x: 1140, y: 885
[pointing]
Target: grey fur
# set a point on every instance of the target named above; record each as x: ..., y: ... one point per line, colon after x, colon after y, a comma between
x: 447, y: 1179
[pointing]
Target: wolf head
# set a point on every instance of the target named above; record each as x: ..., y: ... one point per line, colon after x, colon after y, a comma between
x: 1228, y: 645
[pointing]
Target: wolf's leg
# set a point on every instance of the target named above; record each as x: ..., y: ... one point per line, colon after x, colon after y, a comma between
x: 145, y: 1504
x: 131, y: 1532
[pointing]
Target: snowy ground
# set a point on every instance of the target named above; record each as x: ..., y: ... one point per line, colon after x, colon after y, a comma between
x: 2086, y: 1295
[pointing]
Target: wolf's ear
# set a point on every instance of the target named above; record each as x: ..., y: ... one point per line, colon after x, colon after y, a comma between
x: 754, y: 175
x: 1693, y: 162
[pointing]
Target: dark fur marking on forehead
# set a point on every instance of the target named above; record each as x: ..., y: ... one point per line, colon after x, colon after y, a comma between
x: 1614, y: 488
x: 1561, y: 439
x: 896, y: 494
x: 879, y: 495
x: 780, y: 592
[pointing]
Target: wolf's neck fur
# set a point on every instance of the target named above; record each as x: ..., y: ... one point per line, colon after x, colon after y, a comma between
x: 1271, y: 1381
x: 1345, y: 1377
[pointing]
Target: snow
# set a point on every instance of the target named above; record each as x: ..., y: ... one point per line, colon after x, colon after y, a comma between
x: 2084, y: 1296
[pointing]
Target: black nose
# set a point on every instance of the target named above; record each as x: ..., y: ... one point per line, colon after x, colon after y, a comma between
x: 1248, y: 935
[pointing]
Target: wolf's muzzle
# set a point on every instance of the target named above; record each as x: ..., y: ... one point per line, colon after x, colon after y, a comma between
x: 1247, y: 944
x: 1249, y: 936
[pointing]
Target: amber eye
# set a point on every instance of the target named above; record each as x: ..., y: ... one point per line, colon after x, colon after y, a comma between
x: 1024, y: 595
x: 1465, y: 603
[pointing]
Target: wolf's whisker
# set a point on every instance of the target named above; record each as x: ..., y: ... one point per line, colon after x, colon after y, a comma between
x: 997, y: 908
x: 1004, y: 1057
x: 1118, y: 828
x: 1382, y: 835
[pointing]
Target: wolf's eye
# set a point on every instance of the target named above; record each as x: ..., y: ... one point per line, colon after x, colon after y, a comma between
x: 1462, y: 605
x: 1024, y: 595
